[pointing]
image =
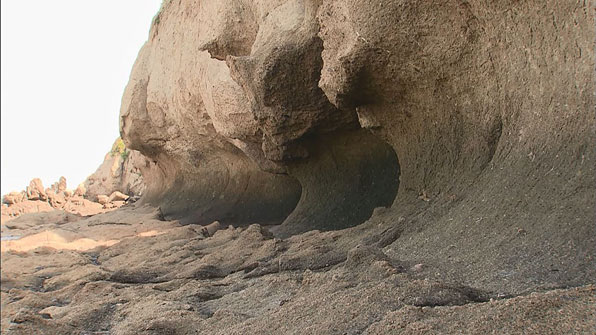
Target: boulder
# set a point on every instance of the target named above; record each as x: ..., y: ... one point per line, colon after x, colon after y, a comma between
x: 103, y: 199
x: 56, y: 200
x: 210, y: 229
x: 36, y: 191
x: 118, y: 203
x: 118, y: 196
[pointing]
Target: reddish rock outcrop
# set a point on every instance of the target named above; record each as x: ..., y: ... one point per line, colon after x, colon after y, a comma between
x: 33, y: 200
x: 36, y: 191
x: 14, y: 198
x: 118, y: 173
x: 61, y: 184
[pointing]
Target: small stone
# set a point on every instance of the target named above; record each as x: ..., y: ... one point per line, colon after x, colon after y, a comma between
x: 210, y: 229
x: 424, y: 196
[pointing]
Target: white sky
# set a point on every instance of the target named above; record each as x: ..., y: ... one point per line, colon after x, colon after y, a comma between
x: 65, y: 64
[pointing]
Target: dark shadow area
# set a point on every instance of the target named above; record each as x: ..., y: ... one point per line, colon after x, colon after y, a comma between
x: 345, y: 178
x: 225, y: 187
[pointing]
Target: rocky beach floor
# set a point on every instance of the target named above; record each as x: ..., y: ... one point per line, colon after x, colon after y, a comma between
x: 130, y: 272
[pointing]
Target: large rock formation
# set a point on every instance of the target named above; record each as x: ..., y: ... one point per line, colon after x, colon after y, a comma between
x: 249, y: 109
x: 249, y: 135
x: 465, y: 128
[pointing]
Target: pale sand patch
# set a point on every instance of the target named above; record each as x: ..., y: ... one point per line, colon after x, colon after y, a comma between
x: 53, y: 240
x: 150, y: 233
x: 57, y: 240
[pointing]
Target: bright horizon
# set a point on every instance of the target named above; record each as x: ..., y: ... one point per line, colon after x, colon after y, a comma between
x: 65, y: 65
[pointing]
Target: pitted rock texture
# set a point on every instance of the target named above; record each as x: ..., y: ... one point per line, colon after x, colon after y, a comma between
x: 483, y: 104
x: 489, y: 108
x: 468, y: 124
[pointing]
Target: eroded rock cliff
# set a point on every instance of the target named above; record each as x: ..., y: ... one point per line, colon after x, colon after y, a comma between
x: 405, y: 167
x: 119, y: 172
x: 249, y: 135
x: 313, y: 113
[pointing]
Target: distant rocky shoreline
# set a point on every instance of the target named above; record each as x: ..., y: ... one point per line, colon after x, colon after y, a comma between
x: 116, y: 182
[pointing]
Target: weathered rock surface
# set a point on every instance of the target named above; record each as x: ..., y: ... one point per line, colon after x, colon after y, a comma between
x: 61, y: 184
x: 231, y: 142
x: 309, y: 112
x: 465, y: 128
x: 56, y: 200
x: 27, y: 206
x: 103, y: 199
x: 119, y: 172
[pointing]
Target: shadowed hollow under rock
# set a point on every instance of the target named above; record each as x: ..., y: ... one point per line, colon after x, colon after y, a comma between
x: 466, y: 128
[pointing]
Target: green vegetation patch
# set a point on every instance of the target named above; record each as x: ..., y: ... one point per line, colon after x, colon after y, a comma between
x: 118, y: 148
